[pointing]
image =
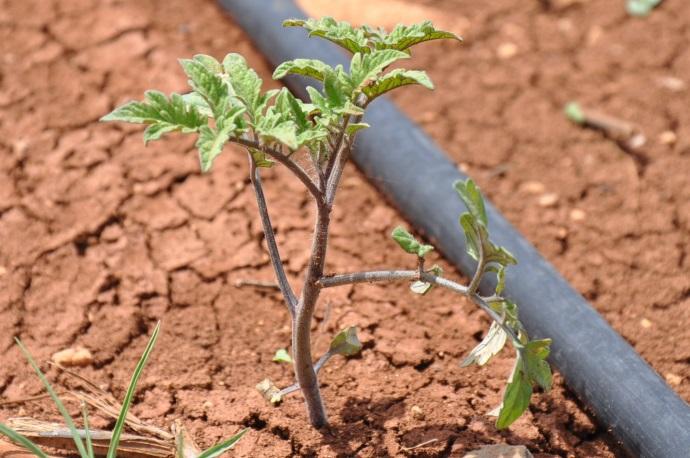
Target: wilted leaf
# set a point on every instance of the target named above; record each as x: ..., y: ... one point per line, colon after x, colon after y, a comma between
x: 492, y: 343
x: 420, y: 287
x: 408, y: 243
x: 269, y: 391
x: 346, y: 342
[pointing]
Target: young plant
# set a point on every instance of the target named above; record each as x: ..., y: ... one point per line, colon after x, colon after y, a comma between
x: 91, y: 443
x: 227, y: 105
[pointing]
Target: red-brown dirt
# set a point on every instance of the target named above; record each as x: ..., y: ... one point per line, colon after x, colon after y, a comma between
x: 101, y: 237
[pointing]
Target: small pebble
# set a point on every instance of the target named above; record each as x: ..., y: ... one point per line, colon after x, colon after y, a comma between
x: 645, y: 323
x: 3, y: 270
x: 562, y: 233
x: 507, y: 50
x: 577, y: 215
x: 672, y: 83
x: 668, y: 137
x: 594, y: 35
x: 673, y: 379
x: 70, y: 357
x: 533, y: 187
x: 417, y: 413
x: 549, y: 199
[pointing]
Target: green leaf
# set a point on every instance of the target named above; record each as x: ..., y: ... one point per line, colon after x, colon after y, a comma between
x: 515, y: 399
x: 341, y: 33
x: 346, y: 342
x: 574, y: 112
x: 473, y: 235
x: 312, y: 68
x: 420, y: 287
x: 208, y: 83
x: 197, y: 101
x: 162, y: 113
x: 282, y: 356
x: 395, y: 79
x: 492, y: 343
x: 223, y: 447
x: 21, y: 440
x: 355, y: 127
x: 212, y: 139
x: 129, y: 395
x: 364, y: 68
x: 472, y: 198
x: 477, y: 235
x: 334, y: 90
x: 56, y: 399
x: 538, y: 370
x: 500, y: 255
x: 269, y: 391
x: 273, y: 127
x: 641, y: 8
x: 410, y: 244
x: 245, y: 84
x: 403, y: 37
x: 87, y: 431
x: 290, y: 107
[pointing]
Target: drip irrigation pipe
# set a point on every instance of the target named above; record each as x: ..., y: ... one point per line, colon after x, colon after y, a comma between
x: 624, y: 393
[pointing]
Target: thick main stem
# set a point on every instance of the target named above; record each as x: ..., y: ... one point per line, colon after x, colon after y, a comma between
x: 301, y: 326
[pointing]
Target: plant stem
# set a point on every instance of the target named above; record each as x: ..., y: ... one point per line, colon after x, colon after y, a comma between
x: 317, y: 367
x: 396, y: 275
x: 269, y: 235
x: 301, y: 330
x: 294, y: 167
x: 479, y: 272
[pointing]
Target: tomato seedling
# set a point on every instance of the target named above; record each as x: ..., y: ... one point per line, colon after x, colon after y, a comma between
x: 227, y: 105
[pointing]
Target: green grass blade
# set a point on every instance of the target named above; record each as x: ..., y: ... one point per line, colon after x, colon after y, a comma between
x: 120, y: 424
x: 222, y: 447
x: 61, y: 407
x: 87, y: 433
x: 21, y: 440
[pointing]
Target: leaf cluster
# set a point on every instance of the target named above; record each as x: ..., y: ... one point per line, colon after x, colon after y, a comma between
x: 531, y: 367
x: 227, y: 103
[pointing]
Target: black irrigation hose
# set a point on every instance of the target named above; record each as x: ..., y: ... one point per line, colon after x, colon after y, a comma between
x: 625, y: 394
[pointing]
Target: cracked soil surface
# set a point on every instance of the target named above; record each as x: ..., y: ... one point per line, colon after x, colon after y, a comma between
x: 101, y: 237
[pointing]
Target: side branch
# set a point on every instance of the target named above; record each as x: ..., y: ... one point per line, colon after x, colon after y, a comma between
x: 269, y: 234
x: 396, y: 275
x: 281, y: 158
